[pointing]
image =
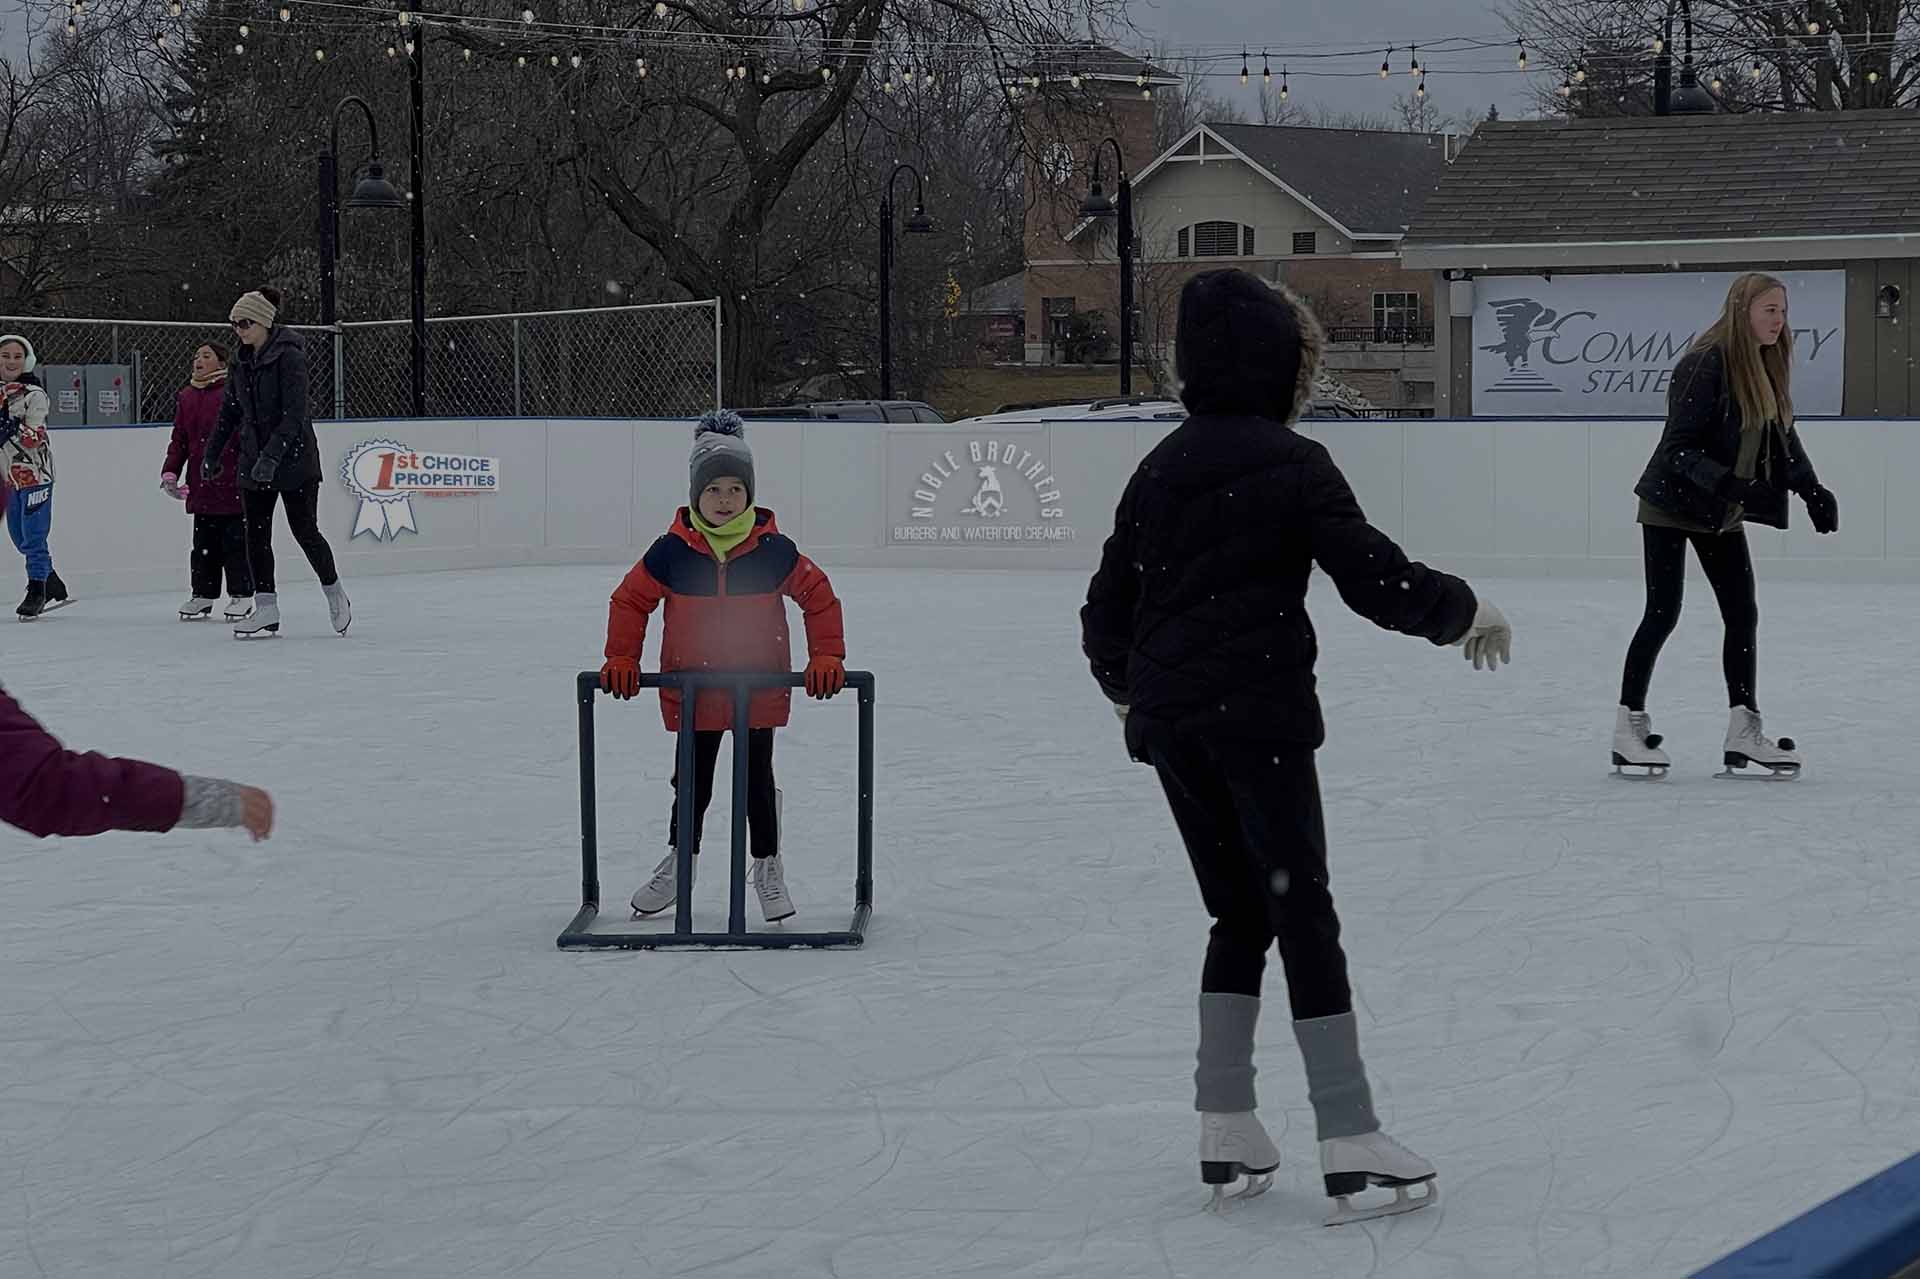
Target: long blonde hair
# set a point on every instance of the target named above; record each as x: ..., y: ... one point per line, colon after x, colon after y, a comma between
x: 1760, y: 378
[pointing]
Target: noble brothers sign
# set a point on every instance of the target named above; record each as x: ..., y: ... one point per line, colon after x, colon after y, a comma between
x: 1605, y: 345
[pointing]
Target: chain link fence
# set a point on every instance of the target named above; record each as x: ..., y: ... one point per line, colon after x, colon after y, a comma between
x: 630, y: 361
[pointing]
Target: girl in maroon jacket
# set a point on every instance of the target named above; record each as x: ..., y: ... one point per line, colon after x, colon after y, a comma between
x: 219, y: 526
x: 48, y: 790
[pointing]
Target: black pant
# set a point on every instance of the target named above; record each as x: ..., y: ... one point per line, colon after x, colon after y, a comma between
x: 220, y: 544
x: 763, y: 814
x: 1250, y: 817
x: 303, y: 517
x: 1729, y: 570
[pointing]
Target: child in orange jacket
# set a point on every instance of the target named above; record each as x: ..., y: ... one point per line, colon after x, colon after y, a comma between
x: 722, y: 570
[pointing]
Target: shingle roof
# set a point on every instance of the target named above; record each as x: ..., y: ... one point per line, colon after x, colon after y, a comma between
x: 1370, y: 182
x: 1654, y: 179
x: 1097, y: 61
x: 1005, y: 296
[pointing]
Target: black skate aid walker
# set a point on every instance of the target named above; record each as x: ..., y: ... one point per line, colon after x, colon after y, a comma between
x: 580, y: 933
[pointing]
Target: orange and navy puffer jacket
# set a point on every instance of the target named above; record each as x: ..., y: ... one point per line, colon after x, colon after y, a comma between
x: 726, y: 616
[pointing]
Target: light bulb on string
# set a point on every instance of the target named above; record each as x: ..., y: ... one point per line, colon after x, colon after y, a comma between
x: 1566, y: 87
x: 286, y: 14
x: 1243, y: 68
x: 1756, y: 68
x: 553, y: 59
x: 766, y: 75
x: 245, y: 31
x: 1521, y: 61
x: 640, y: 65
x: 660, y: 9
x: 160, y: 40
x: 1386, y: 70
x: 1266, y: 69
x: 1283, y: 84
x: 466, y: 55
x: 1873, y: 77
x: 1074, y: 79
x: 826, y: 73
x: 1718, y: 84
x: 1420, y: 90
x: 526, y: 16
x: 1813, y: 28
x: 173, y: 8
x: 574, y: 61
x: 1414, y: 70
x: 520, y: 61
x: 741, y: 70
x: 319, y: 55
x: 391, y: 51
x: 240, y: 50
x: 1579, y: 73
x: 409, y: 48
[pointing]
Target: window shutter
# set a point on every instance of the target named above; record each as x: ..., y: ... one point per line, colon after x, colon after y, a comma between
x: 1246, y: 241
x: 1185, y: 242
x: 1216, y: 240
x: 1303, y: 241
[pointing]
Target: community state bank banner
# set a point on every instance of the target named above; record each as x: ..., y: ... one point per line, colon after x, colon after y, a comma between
x: 1605, y: 345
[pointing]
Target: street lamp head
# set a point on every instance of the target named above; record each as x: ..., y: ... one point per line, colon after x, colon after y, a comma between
x: 1098, y: 203
x: 918, y: 223
x: 373, y: 191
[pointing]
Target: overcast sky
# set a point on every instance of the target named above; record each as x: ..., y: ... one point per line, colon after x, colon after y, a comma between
x: 1464, y: 82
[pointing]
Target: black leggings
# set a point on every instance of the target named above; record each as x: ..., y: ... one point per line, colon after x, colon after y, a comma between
x: 763, y: 802
x: 1729, y: 570
x: 1250, y: 818
x: 303, y: 517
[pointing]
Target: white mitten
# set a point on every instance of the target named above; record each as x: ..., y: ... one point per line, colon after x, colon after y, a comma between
x: 1489, y: 641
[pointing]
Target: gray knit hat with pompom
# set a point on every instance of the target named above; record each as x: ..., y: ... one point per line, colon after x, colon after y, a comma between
x: 720, y: 448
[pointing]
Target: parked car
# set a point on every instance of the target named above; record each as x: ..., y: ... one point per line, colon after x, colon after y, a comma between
x: 1132, y: 409
x: 848, y: 411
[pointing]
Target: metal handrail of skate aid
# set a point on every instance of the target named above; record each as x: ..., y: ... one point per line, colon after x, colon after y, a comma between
x: 1871, y: 1231
x: 578, y: 934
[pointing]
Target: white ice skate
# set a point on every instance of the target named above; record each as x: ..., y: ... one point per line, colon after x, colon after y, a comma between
x: 196, y: 609
x: 1636, y: 746
x: 1237, y: 1158
x: 339, y: 608
x: 658, y: 893
x: 1352, y: 1164
x: 263, y: 622
x: 769, y: 879
x: 1747, y: 744
x: 239, y: 608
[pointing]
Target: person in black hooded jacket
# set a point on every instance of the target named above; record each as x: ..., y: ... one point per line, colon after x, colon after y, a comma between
x: 1197, y: 630
x: 267, y: 404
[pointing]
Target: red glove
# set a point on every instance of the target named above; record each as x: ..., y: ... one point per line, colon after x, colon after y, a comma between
x: 825, y: 677
x: 621, y: 677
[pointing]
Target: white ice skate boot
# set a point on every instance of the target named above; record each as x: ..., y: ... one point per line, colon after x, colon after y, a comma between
x: 1237, y: 1158
x: 339, y: 608
x: 196, y: 609
x: 1351, y: 1164
x: 1636, y: 746
x: 769, y: 879
x: 1746, y: 744
x: 658, y: 893
x: 239, y: 608
x: 264, y: 621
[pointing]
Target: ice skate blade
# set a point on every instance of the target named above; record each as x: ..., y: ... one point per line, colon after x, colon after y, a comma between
x: 1736, y: 764
x: 54, y: 606
x: 265, y: 632
x: 1248, y: 1185
x: 1651, y: 770
x: 200, y: 617
x: 1345, y: 1212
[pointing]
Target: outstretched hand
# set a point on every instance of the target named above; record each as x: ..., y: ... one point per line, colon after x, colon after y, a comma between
x: 1489, y: 641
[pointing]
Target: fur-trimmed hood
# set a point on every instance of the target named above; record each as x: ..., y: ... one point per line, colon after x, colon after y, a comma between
x: 1245, y: 345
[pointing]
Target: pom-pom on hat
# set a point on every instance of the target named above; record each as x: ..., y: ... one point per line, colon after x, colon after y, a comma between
x: 719, y: 448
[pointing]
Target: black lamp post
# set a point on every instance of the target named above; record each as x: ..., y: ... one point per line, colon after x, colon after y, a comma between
x: 417, y: 234
x: 1098, y: 205
x: 1690, y: 98
x: 918, y: 223
x: 371, y: 191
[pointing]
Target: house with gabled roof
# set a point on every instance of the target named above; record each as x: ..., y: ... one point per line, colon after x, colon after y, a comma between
x: 1321, y: 210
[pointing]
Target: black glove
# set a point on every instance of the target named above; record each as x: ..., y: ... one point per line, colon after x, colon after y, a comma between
x: 1749, y: 493
x: 211, y: 469
x: 265, y: 468
x: 1823, y: 508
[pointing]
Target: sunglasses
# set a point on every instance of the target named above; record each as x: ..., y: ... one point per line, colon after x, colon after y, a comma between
x: 241, y: 326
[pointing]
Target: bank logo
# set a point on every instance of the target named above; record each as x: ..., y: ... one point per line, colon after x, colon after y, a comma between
x: 1524, y: 324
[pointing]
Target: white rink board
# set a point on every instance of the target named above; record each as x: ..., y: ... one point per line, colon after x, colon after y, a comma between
x: 1517, y: 498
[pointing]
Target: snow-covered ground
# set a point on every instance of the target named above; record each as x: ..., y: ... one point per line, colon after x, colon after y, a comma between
x: 1633, y: 1024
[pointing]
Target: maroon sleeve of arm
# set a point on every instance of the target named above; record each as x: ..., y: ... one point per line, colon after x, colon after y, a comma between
x: 48, y: 790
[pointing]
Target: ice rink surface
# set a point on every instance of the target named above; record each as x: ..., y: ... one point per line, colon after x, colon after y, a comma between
x: 1634, y: 1025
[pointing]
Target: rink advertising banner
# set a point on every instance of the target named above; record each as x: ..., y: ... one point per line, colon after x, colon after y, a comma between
x: 1605, y: 345
x: 386, y: 476
x: 954, y: 489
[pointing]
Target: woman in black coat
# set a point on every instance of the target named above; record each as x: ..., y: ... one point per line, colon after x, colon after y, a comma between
x: 1729, y: 454
x: 266, y: 402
